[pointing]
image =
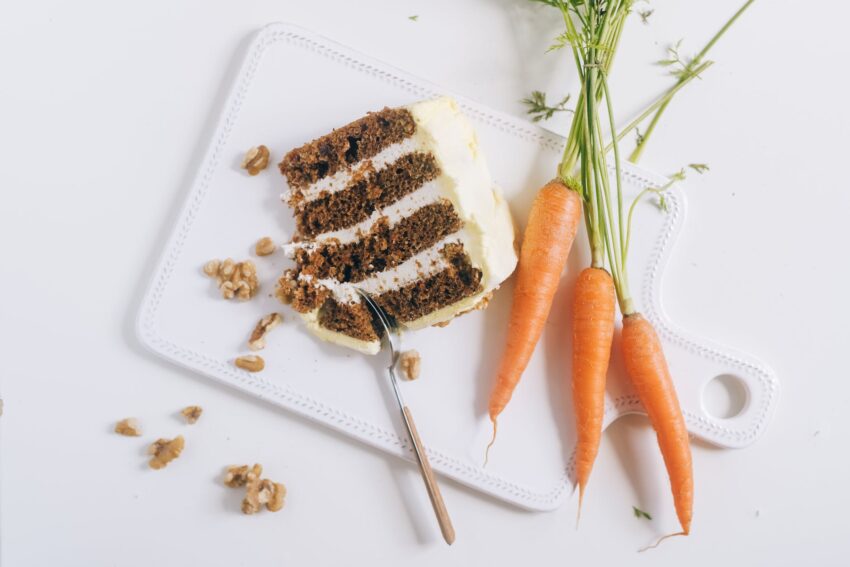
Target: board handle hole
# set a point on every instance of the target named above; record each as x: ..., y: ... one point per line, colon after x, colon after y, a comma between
x: 725, y: 396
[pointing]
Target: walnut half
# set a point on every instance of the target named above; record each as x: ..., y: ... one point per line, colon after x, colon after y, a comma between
x: 250, y: 362
x: 163, y: 451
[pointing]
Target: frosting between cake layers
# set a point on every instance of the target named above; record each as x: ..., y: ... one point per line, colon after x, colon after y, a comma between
x: 487, y: 234
x: 421, y: 265
x: 341, y: 179
x: 425, y: 195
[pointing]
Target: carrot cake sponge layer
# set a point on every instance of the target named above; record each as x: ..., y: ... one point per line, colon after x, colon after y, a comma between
x: 401, y: 205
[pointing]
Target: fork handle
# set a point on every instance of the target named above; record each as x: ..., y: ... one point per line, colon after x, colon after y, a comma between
x: 430, y: 481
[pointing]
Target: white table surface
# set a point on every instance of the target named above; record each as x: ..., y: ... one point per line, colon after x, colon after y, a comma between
x: 105, y: 109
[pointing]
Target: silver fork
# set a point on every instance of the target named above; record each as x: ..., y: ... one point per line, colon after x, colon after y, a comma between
x: 394, y: 341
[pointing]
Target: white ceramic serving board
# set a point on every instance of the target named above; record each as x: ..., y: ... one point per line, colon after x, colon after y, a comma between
x: 184, y: 319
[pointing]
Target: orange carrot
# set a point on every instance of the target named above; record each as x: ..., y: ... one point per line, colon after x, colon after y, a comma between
x: 593, y: 330
x: 552, y: 225
x: 647, y: 369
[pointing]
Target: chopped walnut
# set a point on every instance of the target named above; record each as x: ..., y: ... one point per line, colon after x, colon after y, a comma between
x: 163, y: 451
x: 239, y: 475
x: 272, y: 494
x: 192, y: 413
x: 251, y: 503
x: 257, y: 341
x: 265, y: 246
x: 250, y: 362
x: 235, y: 279
x: 211, y: 268
x: 258, y: 492
x: 410, y: 363
x: 256, y: 159
x: 129, y: 427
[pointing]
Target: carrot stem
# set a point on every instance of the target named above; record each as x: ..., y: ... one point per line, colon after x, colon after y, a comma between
x: 689, y: 72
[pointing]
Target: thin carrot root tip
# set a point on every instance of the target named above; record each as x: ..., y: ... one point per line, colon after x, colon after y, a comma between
x: 490, y: 444
x: 662, y: 538
x: 580, y: 500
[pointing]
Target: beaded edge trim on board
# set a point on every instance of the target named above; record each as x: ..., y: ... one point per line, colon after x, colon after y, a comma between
x: 309, y: 407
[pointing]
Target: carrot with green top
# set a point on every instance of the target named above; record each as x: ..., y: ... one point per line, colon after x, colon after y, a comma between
x: 642, y: 351
x: 589, y: 23
x: 593, y: 36
x: 551, y: 228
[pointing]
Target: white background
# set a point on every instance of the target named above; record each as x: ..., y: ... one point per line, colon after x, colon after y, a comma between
x: 105, y: 110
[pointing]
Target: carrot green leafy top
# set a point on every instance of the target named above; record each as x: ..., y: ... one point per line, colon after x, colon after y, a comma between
x: 592, y: 30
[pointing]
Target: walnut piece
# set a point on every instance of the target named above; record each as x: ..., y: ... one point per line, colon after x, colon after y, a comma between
x: 257, y: 341
x: 129, y: 427
x: 163, y: 451
x: 265, y: 246
x: 240, y: 475
x: 256, y: 159
x: 251, y: 502
x: 250, y: 362
x: 271, y: 494
x: 235, y: 279
x: 192, y: 413
x: 258, y: 492
x: 410, y: 363
x: 211, y: 268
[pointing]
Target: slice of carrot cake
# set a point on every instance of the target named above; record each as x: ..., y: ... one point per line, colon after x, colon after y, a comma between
x: 399, y: 204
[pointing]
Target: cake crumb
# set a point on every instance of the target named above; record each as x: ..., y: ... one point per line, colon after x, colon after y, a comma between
x: 192, y: 414
x: 163, y: 451
x: 257, y: 341
x: 259, y: 492
x: 410, y: 363
x: 250, y: 362
x: 256, y: 159
x: 128, y: 427
x: 265, y: 246
x: 235, y: 279
x: 483, y: 302
x: 442, y: 324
